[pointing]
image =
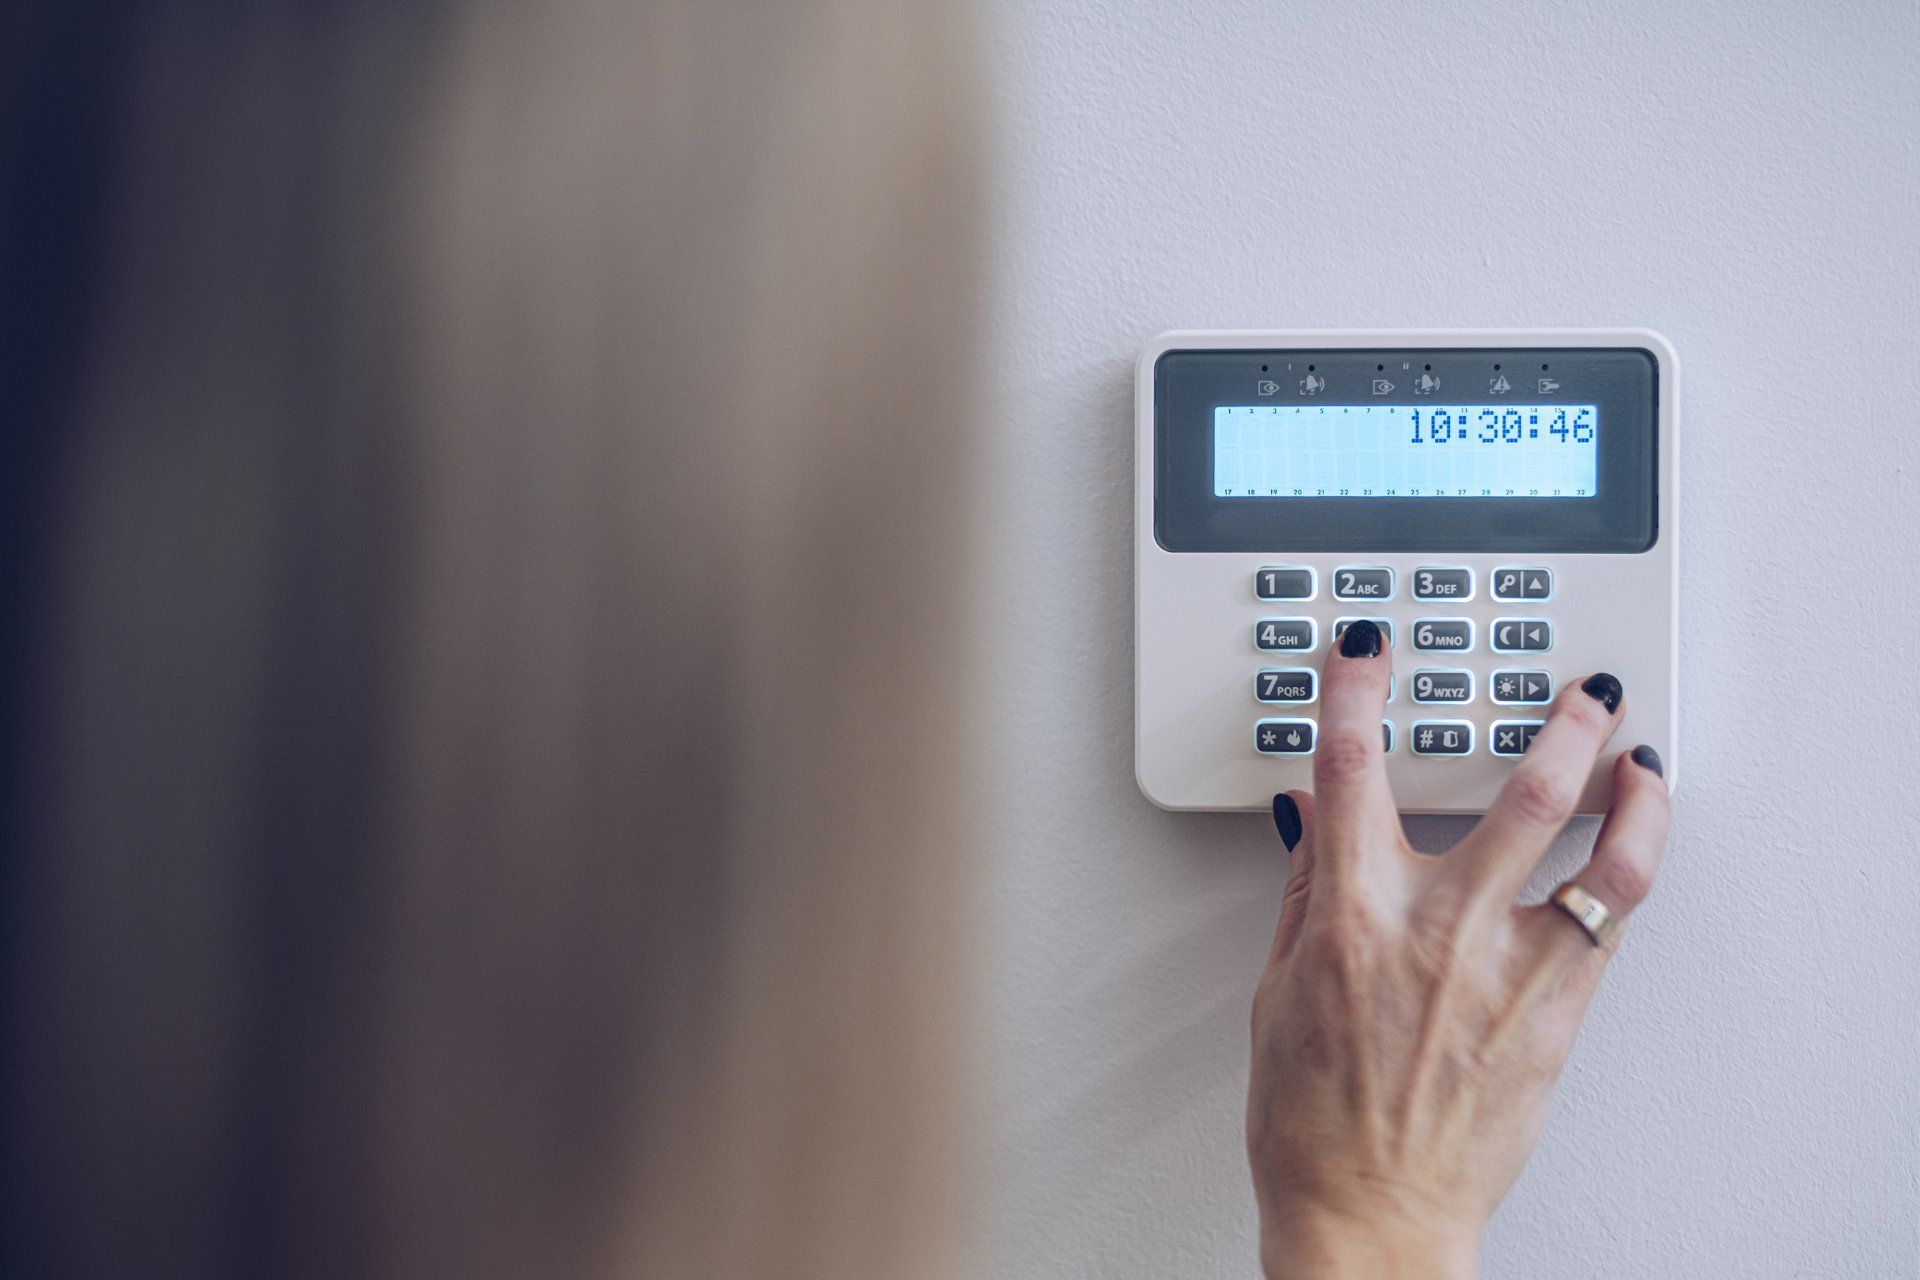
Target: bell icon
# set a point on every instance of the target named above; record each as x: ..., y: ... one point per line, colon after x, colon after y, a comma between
x: 1426, y: 384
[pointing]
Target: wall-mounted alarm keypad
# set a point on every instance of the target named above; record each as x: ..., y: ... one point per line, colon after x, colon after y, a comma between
x: 1501, y: 502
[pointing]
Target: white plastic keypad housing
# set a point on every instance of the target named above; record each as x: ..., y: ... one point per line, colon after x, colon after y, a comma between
x: 1197, y: 661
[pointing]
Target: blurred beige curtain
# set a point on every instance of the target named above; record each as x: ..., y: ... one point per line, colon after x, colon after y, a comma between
x: 499, y: 799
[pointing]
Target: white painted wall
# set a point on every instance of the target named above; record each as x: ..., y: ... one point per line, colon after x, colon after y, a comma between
x: 1745, y: 1099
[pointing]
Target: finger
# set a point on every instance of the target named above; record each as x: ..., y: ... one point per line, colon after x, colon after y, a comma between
x: 1540, y: 794
x: 1293, y: 902
x: 1349, y: 767
x: 1626, y: 857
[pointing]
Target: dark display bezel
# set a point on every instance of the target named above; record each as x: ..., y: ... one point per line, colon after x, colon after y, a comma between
x: 1623, y: 518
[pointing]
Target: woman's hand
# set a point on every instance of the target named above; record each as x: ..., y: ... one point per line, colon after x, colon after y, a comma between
x: 1412, y: 1019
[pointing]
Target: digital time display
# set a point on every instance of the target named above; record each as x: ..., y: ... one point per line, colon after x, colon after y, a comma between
x: 1406, y: 451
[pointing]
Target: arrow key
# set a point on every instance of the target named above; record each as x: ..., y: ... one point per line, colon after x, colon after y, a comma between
x: 1521, y: 687
x: 1522, y: 635
x: 1522, y: 582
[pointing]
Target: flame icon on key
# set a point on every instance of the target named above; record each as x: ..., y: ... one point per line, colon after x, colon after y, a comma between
x: 1293, y: 738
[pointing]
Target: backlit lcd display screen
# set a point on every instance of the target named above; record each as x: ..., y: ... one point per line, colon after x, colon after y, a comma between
x: 1406, y: 451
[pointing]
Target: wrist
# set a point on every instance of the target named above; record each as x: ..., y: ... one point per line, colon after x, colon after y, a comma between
x: 1322, y: 1244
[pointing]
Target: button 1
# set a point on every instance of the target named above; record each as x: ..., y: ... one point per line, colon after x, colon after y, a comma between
x: 1363, y: 584
x: 1284, y: 635
x: 1513, y: 737
x: 1520, y: 687
x: 1522, y: 635
x: 1521, y: 582
x: 1283, y: 737
x: 1442, y: 737
x: 1435, y: 583
x: 1284, y: 684
x: 1443, y: 635
x: 1386, y: 629
x: 1284, y: 582
x: 1441, y: 686
x: 1386, y: 737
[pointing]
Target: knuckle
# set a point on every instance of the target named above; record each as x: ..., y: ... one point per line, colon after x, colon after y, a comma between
x: 1543, y: 798
x: 1350, y: 934
x: 1623, y: 880
x: 1344, y: 756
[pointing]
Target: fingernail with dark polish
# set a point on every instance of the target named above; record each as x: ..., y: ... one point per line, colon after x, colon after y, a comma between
x: 1647, y: 758
x: 1361, y: 640
x: 1605, y: 690
x: 1286, y: 817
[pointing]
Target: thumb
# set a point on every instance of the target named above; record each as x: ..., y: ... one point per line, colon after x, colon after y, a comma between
x: 1293, y: 817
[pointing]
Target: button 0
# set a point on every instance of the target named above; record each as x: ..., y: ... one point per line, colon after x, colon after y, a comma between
x: 1284, y: 635
x: 1442, y: 584
x: 1442, y: 737
x: 1520, y: 686
x: 1522, y: 583
x: 1284, y: 684
x: 1340, y: 626
x: 1443, y: 635
x: 1522, y: 635
x: 1363, y: 584
x: 1283, y: 737
x: 1513, y: 737
x: 1441, y: 686
x: 1293, y: 582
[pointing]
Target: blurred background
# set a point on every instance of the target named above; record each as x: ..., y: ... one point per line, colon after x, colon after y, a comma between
x: 568, y: 619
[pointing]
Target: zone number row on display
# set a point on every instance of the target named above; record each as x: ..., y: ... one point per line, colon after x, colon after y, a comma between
x: 1440, y: 739
x: 1375, y: 582
x: 1430, y: 635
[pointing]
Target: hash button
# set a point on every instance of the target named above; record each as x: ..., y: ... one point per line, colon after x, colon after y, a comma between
x: 1442, y: 737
